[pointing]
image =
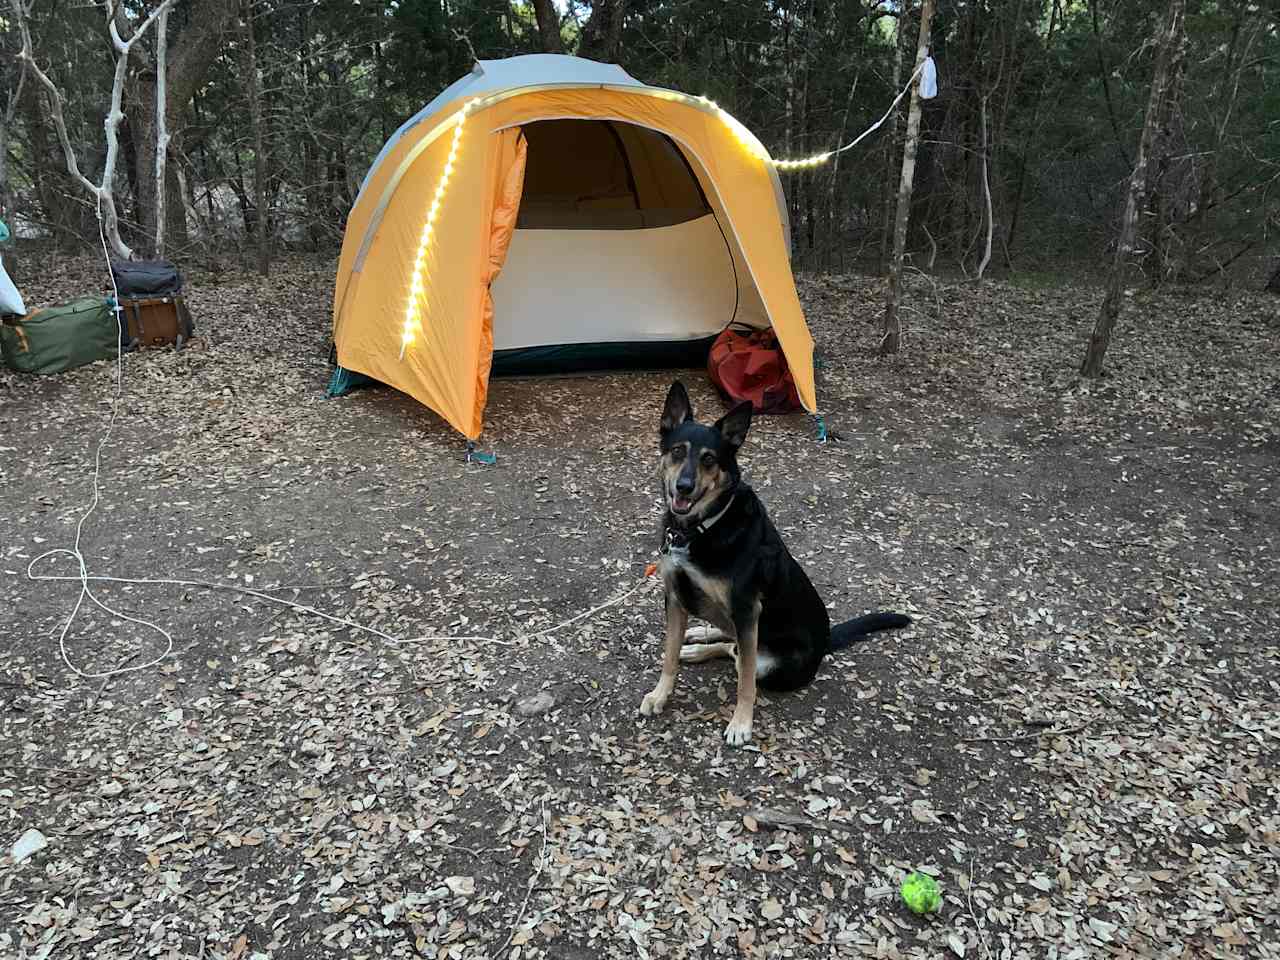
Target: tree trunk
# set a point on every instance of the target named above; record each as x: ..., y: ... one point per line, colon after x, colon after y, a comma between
x: 1169, y: 47
x: 614, y: 49
x: 602, y: 33
x: 892, y: 340
x: 891, y: 150
x: 259, y: 157
x: 1162, y: 241
x: 191, y: 55
x: 986, y: 190
x: 548, y: 26
x: 102, y: 193
x: 162, y: 128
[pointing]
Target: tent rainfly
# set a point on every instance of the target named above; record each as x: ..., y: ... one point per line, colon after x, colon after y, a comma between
x: 547, y: 212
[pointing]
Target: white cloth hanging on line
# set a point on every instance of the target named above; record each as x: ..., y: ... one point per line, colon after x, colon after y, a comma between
x: 10, y: 298
x: 928, y: 80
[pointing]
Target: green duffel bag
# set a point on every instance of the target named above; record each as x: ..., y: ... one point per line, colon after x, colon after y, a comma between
x: 54, y: 339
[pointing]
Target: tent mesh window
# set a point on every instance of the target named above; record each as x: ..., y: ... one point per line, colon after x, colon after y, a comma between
x: 605, y: 175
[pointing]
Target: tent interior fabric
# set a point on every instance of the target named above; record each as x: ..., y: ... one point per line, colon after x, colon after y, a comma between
x: 614, y: 212
x: 589, y: 222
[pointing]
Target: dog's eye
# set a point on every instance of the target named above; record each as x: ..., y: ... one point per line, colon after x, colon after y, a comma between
x: 677, y: 454
x: 708, y: 459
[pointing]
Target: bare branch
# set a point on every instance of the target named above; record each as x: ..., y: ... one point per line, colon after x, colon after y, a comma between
x: 102, y: 192
x: 162, y: 130
x: 986, y: 192
x: 891, y: 340
x: 55, y: 98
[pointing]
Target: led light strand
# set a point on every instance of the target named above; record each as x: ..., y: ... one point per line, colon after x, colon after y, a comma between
x: 418, y: 283
x: 756, y: 149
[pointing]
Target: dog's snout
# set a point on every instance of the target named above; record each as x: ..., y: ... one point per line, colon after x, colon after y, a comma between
x: 687, y: 480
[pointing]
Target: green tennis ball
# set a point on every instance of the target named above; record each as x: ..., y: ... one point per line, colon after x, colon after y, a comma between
x: 920, y: 892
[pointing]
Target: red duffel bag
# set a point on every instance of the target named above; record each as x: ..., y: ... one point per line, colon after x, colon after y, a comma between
x: 750, y: 365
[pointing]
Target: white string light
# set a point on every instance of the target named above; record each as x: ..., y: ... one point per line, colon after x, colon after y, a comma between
x: 756, y: 149
x: 418, y: 280
x: 418, y: 283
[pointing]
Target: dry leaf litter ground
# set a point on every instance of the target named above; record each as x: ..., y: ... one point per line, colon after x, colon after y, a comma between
x: 1078, y: 736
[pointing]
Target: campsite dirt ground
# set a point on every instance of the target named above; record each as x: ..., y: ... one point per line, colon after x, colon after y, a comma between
x: 1078, y: 737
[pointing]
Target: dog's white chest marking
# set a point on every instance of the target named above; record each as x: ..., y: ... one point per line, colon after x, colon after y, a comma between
x: 673, y: 560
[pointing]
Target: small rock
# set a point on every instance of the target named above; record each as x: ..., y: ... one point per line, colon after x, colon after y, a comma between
x: 538, y: 703
x: 445, y: 769
x: 113, y: 788
x: 1102, y: 929
x: 462, y: 886
x: 391, y: 912
x: 27, y: 844
x: 311, y: 748
x: 781, y: 820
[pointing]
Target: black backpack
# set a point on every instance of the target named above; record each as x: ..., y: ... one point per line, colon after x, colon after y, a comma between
x: 146, y: 278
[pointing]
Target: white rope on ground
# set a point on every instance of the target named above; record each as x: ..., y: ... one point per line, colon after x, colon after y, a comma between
x: 84, y: 578
x: 542, y: 633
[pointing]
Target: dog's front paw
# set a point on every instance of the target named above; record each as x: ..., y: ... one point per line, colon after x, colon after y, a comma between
x: 655, y: 701
x: 739, y: 730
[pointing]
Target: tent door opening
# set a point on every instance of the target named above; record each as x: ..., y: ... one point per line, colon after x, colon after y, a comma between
x: 617, y: 259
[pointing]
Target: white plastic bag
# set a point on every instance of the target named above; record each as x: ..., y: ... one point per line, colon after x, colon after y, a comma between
x: 10, y: 298
x: 928, y: 80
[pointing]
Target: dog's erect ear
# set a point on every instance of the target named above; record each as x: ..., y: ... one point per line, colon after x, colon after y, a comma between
x: 733, y: 426
x: 677, y: 409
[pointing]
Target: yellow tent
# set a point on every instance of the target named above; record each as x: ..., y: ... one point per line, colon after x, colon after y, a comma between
x: 552, y: 212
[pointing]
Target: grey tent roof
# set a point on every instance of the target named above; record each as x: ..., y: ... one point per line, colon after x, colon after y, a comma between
x: 529, y: 70
x: 532, y: 70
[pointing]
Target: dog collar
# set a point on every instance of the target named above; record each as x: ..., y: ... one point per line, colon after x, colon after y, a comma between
x: 678, y: 539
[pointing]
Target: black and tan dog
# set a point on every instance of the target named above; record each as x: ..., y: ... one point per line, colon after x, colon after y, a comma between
x: 723, y: 561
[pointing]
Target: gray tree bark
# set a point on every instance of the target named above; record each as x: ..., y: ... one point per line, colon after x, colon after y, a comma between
x: 986, y: 193
x: 191, y: 55
x: 891, y: 156
x: 261, y: 221
x: 891, y: 342
x: 1169, y: 46
x: 162, y: 128
x: 102, y: 193
x: 548, y: 26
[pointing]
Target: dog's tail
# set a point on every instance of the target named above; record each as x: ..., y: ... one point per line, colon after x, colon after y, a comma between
x: 843, y: 634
